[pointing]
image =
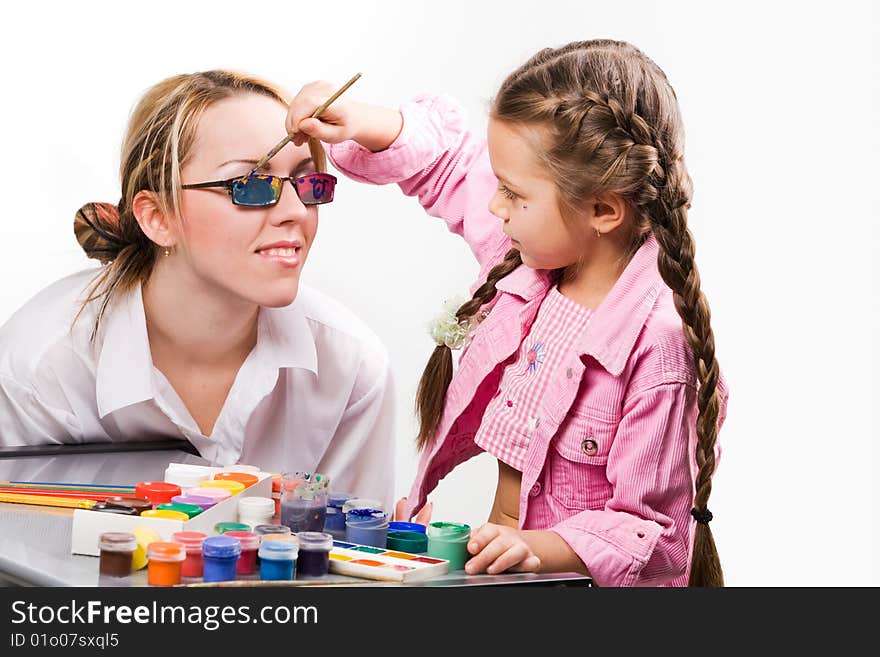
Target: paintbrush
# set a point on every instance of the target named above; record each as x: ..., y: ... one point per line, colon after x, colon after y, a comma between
x: 69, y: 502
x: 313, y: 143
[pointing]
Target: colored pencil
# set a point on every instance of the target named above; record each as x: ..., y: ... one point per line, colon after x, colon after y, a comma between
x: 68, y: 494
x: 39, y: 500
x: 66, y: 484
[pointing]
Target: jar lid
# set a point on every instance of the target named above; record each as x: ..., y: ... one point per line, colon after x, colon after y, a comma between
x: 278, y: 550
x: 162, y: 551
x: 232, y: 486
x: 156, y: 491
x: 248, y: 540
x: 221, y: 546
x: 223, y: 527
x: 189, y: 539
x: 280, y: 537
x: 165, y: 513
x: 245, y: 478
x: 217, y: 494
x: 202, y: 501
x: 397, y: 526
x: 448, y: 531
x: 117, y: 542
x: 123, y: 501
x: 337, y: 499
x: 186, y: 477
x: 271, y: 529
x: 314, y: 541
x: 256, y: 505
x: 189, y: 509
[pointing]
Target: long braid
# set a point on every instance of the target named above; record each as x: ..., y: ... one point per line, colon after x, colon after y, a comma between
x: 431, y: 393
x: 616, y: 128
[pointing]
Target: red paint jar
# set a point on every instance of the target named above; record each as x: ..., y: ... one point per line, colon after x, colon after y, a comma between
x: 247, y: 561
x: 193, y: 565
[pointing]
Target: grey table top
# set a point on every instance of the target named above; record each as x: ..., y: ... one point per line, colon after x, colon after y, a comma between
x: 35, y: 541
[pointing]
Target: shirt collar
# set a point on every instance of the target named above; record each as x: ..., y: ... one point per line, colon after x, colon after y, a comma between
x: 617, y: 322
x: 124, y: 371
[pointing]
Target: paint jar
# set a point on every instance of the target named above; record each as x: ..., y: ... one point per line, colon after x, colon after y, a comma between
x: 144, y: 535
x: 185, y: 477
x: 262, y: 530
x: 227, y: 526
x: 255, y: 511
x: 247, y: 560
x: 366, y: 527
x: 278, y: 559
x: 165, y: 560
x: 139, y: 504
x: 191, y: 510
x: 234, y: 487
x: 103, y: 507
x: 314, y: 554
x: 220, y: 556
x: 117, y: 549
x: 405, y: 527
x: 192, y: 566
x: 276, y: 493
x: 204, y: 503
x: 406, y: 541
x: 304, y: 501
x: 448, y: 540
x: 217, y: 494
x: 158, y: 492
x: 334, y: 523
x: 245, y: 478
x: 165, y: 513
x: 362, y: 503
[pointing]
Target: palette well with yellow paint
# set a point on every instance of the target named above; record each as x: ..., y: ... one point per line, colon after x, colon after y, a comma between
x: 384, y: 565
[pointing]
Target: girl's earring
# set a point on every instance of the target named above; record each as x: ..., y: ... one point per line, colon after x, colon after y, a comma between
x: 167, y: 252
x: 598, y: 233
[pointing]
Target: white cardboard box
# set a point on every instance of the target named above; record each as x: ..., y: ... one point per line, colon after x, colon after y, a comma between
x: 89, y: 525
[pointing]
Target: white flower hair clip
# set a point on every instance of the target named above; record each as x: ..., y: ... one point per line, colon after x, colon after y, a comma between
x: 446, y: 329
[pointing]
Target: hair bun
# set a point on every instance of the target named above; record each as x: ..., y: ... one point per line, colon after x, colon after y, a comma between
x: 96, y: 226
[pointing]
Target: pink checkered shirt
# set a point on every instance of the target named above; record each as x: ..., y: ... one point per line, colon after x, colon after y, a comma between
x: 513, y: 414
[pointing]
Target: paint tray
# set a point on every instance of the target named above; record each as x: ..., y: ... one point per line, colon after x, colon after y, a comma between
x: 386, y: 565
x: 89, y: 525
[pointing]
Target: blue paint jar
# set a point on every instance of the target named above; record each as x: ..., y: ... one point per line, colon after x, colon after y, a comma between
x: 278, y: 560
x: 366, y: 527
x: 220, y: 556
x: 334, y: 522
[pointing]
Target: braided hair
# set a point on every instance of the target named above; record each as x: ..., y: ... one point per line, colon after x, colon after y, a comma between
x: 615, y: 127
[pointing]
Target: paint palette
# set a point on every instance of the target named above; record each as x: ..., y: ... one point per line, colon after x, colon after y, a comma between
x: 381, y: 564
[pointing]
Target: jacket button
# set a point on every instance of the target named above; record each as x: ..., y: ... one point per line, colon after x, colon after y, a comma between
x: 535, y: 490
x: 589, y: 447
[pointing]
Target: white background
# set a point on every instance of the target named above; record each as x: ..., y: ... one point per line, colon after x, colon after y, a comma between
x: 780, y: 102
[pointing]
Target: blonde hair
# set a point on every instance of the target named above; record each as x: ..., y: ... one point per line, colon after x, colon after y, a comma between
x: 614, y: 126
x: 158, y: 141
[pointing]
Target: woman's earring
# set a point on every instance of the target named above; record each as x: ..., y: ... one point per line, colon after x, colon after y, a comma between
x: 167, y: 252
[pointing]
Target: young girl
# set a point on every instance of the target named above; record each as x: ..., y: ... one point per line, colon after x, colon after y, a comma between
x: 589, y: 369
x: 197, y: 326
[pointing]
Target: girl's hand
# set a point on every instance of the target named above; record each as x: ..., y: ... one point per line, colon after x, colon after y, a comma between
x: 373, y: 127
x: 423, y: 517
x: 333, y: 126
x: 498, y: 548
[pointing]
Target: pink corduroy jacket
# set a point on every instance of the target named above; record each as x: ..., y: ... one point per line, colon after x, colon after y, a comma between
x: 610, y: 465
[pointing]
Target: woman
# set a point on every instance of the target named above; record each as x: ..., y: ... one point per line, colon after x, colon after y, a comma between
x: 196, y: 325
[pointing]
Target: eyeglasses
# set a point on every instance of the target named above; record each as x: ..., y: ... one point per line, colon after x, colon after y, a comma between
x: 260, y: 190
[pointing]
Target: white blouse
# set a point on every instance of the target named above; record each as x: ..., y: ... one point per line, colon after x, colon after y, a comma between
x: 315, y: 393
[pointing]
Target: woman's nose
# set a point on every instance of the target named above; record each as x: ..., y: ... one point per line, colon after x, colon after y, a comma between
x: 289, y: 206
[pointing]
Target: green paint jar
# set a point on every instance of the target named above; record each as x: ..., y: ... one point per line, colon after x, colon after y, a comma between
x: 407, y: 541
x: 448, y: 540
